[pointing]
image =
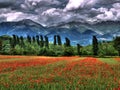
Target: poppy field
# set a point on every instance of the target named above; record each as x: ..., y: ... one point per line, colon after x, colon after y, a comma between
x: 59, y: 73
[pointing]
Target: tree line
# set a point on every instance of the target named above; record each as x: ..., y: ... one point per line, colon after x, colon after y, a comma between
x: 35, y: 45
x: 42, y: 41
x: 95, y: 44
x: 40, y: 45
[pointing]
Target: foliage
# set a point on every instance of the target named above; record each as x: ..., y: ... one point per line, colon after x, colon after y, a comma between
x: 107, y: 49
x: 29, y: 39
x: 46, y: 52
x: 46, y: 42
x: 79, y: 49
x: 86, y: 51
x: 6, y: 49
x: 68, y: 51
x: 1, y: 44
x: 59, y: 40
x: 117, y: 44
x: 67, y: 43
x: 55, y: 40
x: 40, y: 45
x: 57, y: 49
x: 95, y: 45
x: 31, y: 49
x: 18, y: 50
x: 41, y: 41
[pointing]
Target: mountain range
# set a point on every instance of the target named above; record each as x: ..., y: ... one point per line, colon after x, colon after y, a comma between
x: 77, y: 32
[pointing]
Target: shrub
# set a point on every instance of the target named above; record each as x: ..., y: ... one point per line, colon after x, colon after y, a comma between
x: 107, y: 49
x: 31, y: 49
x: 6, y: 50
x: 68, y: 51
x: 46, y: 52
x: 117, y: 44
x: 18, y: 50
x: 86, y: 50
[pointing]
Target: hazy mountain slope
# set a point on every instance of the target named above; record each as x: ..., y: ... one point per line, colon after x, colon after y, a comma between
x: 77, y: 32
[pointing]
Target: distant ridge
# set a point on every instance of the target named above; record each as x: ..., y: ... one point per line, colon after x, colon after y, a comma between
x: 77, y: 32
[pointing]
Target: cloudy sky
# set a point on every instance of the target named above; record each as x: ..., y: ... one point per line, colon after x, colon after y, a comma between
x: 50, y: 12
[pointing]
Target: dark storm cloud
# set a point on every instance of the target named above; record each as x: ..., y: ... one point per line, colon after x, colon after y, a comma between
x: 6, y: 3
x: 50, y: 12
x: 3, y: 5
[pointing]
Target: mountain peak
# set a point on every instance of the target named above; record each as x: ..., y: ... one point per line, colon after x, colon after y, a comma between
x: 26, y: 20
x: 30, y: 22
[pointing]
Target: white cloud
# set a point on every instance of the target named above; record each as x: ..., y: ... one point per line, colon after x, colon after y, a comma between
x: 12, y: 16
x: 116, y: 5
x: 51, y: 12
x: 101, y: 9
x: 34, y: 0
x: 17, y: 16
x: 75, y: 4
x: 108, y: 15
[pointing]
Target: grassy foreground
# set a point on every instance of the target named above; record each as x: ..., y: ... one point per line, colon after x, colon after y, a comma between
x: 59, y: 73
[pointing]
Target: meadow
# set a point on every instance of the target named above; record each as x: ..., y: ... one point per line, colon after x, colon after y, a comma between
x: 59, y: 73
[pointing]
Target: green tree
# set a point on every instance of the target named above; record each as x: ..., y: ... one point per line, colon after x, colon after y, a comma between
x: 33, y: 38
x: 59, y: 40
x: 55, y: 41
x: 11, y: 42
x: 22, y: 41
x: 19, y: 50
x: 14, y: 40
x: 107, y: 49
x: 31, y: 49
x: 1, y: 45
x: 41, y: 41
x: 29, y: 39
x: 6, y: 48
x: 78, y: 49
x: 46, y: 42
x: 68, y: 51
x: 95, y: 45
x: 67, y: 44
x: 38, y: 40
x: 117, y: 44
x: 17, y: 40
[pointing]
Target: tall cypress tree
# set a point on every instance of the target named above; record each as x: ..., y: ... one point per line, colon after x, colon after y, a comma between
x: 46, y: 42
x: 59, y: 40
x: 33, y: 38
x: 0, y: 45
x: 95, y: 45
x: 78, y: 49
x: 18, y: 40
x: 37, y: 39
x: 11, y: 43
x: 41, y: 41
x: 55, y: 40
x: 29, y: 39
x: 22, y: 41
x: 14, y: 40
x: 67, y: 44
x: 117, y: 44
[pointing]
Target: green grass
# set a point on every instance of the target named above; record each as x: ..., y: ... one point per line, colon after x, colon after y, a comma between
x: 108, y: 60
